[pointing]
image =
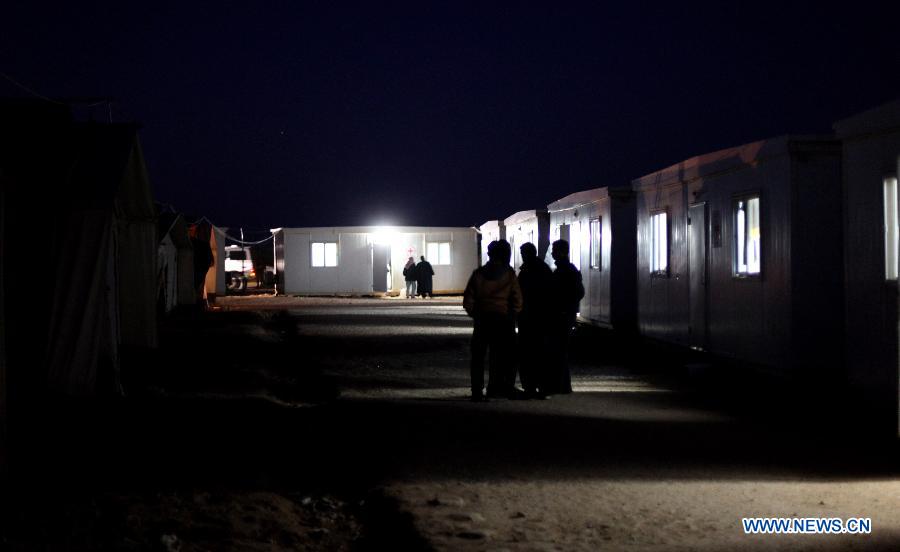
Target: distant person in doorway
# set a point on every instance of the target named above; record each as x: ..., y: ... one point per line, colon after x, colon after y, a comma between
x: 566, y: 292
x: 493, y: 299
x: 535, y: 280
x: 424, y: 281
x: 409, y: 273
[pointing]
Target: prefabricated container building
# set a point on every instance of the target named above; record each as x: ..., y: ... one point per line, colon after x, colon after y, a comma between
x: 740, y: 253
x: 871, y: 163
x: 491, y: 230
x: 527, y: 227
x: 599, y: 225
x: 362, y: 260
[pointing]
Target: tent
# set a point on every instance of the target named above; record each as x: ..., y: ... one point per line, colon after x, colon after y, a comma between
x: 80, y: 232
x: 175, y: 264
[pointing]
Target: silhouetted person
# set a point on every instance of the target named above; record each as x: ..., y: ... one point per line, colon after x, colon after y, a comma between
x: 566, y: 293
x: 424, y: 281
x: 409, y: 274
x: 493, y: 299
x: 535, y: 281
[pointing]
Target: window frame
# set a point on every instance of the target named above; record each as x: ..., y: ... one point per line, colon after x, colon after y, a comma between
x: 736, y: 200
x: 596, y: 249
x: 437, y: 262
x: 660, y: 273
x: 312, y: 260
x: 888, y: 277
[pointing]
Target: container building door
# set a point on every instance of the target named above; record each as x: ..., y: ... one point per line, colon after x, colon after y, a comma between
x: 381, y: 269
x: 698, y: 262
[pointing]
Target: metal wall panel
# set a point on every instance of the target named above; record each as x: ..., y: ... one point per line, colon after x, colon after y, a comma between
x: 871, y: 146
x: 620, y: 255
x: 491, y: 230
x: 278, y: 245
x: 610, y: 291
x: 749, y: 317
x: 296, y: 262
x: 353, y: 275
x: 817, y: 285
x: 528, y: 226
x: 662, y: 299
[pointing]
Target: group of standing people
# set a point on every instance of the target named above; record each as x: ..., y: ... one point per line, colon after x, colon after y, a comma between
x: 541, y: 302
x: 419, y: 278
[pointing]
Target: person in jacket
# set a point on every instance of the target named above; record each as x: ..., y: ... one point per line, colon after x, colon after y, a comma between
x: 534, y: 280
x: 566, y: 291
x: 424, y: 281
x: 493, y: 299
x: 409, y: 274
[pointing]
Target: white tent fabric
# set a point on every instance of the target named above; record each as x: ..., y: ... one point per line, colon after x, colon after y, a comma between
x: 83, y: 357
x: 136, y: 252
x: 103, y: 258
x: 167, y: 267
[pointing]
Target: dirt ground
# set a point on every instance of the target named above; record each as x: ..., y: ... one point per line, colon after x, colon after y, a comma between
x: 343, y: 424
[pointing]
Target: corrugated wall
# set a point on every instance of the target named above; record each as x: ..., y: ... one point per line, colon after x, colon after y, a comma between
x: 817, y: 286
x: 749, y: 318
x: 620, y: 255
x: 871, y: 301
x: 662, y: 300
x: 354, y: 273
x: 597, y: 304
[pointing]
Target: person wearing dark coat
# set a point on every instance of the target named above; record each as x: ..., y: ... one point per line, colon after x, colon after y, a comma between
x: 424, y: 281
x: 534, y: 280
x: 409, y: 274
x: 492, y: 298
x: 566, y: 292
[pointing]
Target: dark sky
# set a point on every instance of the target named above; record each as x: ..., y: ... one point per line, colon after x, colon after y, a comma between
x: 292, y: 113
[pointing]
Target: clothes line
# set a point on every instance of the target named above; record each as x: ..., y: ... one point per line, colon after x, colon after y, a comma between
x: 227, y: 236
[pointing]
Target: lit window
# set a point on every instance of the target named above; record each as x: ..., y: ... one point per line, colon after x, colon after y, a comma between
x: 891, y: 231
x: 575, y: 244
x: 438, y: 253
x: 748, y: 240
x: 659, y: 243
x: 324, y: 254
x: 595, y: 244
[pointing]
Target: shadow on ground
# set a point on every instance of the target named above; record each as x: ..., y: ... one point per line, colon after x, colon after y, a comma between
x: 240, y: 405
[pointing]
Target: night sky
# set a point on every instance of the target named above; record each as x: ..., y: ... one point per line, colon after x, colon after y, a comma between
x: 267, y: 114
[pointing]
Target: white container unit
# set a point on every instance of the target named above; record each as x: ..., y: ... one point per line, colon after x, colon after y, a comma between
x: 871, y: 155
x: 524, y: 227
x: 491, y: 230
x: 364, y: 260
x: 739, y: 253
x: 599, y: 225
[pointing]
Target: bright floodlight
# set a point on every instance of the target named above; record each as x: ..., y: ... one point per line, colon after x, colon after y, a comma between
x: 384, y: 235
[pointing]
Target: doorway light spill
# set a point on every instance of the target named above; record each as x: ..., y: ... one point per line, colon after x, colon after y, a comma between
x: 384, y: 235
